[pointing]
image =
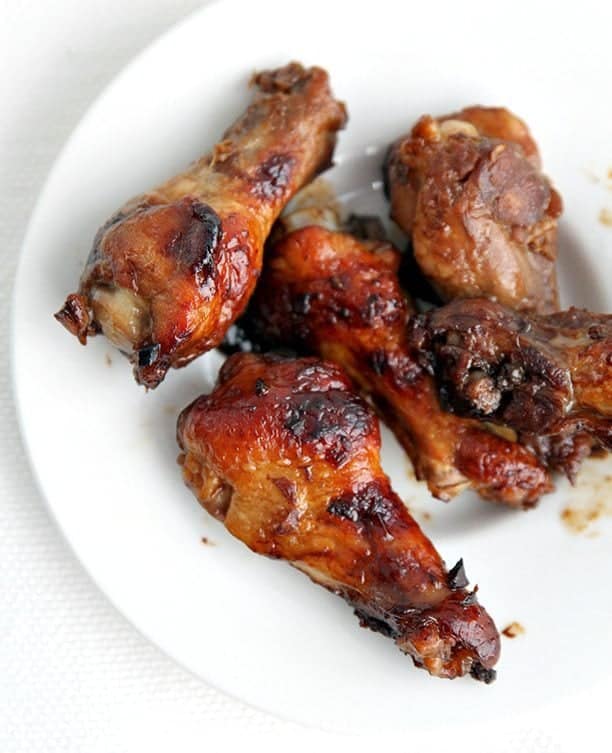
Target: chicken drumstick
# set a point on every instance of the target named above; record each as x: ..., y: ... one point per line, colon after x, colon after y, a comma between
x: 171, y: 271
x: 295, y: 474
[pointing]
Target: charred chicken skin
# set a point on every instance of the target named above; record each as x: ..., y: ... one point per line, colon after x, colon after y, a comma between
x: 549, y: 378
x: 334, y: 295
x: 170, y: 272
x: 295, y: 474
x: 467, y: 188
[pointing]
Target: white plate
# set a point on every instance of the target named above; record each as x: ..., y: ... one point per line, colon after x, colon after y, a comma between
x: 104, y: 451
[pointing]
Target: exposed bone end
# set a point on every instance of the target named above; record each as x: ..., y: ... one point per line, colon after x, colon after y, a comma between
x: 123, y: 316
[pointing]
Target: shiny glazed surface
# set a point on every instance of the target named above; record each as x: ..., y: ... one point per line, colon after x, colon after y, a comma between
x: 295, y: 474
x: 338, y: 296
x: 172, y: 269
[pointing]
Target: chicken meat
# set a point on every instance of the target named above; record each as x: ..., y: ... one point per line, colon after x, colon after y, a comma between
x: 295, y: 474
x: 329, y: 293
x: 548, y: 378
x: 172, y: 269
x: 467, y: 188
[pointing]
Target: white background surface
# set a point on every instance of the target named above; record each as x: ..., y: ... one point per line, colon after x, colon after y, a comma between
x: 73, y: 674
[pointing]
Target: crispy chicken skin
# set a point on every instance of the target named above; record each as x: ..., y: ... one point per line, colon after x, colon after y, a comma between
x: 468, y: 190
x: 170, y: 272
x: 287, y: 456
x: 549, y: 378
x: 332, y: 294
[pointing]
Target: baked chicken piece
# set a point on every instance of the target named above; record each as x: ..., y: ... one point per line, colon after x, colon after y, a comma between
x: 334, y: 295
x: 549, y: 378
x: 170, y: 272
x: 295, y: 474
x: 468, y: 190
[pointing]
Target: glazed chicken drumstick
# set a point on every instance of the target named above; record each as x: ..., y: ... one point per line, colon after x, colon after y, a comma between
x: 295, y: 474
x: 468, y: 190
x: 549, y: 378
x: 329, y: 293
x: 170, y: 272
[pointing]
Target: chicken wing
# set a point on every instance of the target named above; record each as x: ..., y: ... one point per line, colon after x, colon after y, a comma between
x: 549, y: 378
x: 331, y: 294
x: 171, y: 271
x: 295, y: 474
x: 467, y: 188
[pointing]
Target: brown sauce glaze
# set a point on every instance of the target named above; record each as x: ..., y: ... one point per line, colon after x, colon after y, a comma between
x: 330, y: 293
x: 340, y: 522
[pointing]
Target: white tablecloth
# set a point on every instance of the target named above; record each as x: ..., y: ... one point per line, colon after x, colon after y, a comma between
x: 74, y: 675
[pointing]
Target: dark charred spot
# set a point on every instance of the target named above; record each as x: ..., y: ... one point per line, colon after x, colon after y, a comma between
x: 374, y: 623
x: 273, y: 176
x: 196, y: 245
x: 148, y: 355
x: 286, y: 487
x: 337, y: 283
x: 457, y: 578
x: 334, y: 423
x: 369, y: 504
x: 482, y: 674
x: 261, y: 388
x: 378, y: 309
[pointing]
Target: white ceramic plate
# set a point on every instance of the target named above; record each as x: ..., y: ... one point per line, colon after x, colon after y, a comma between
x: 104, y: 451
